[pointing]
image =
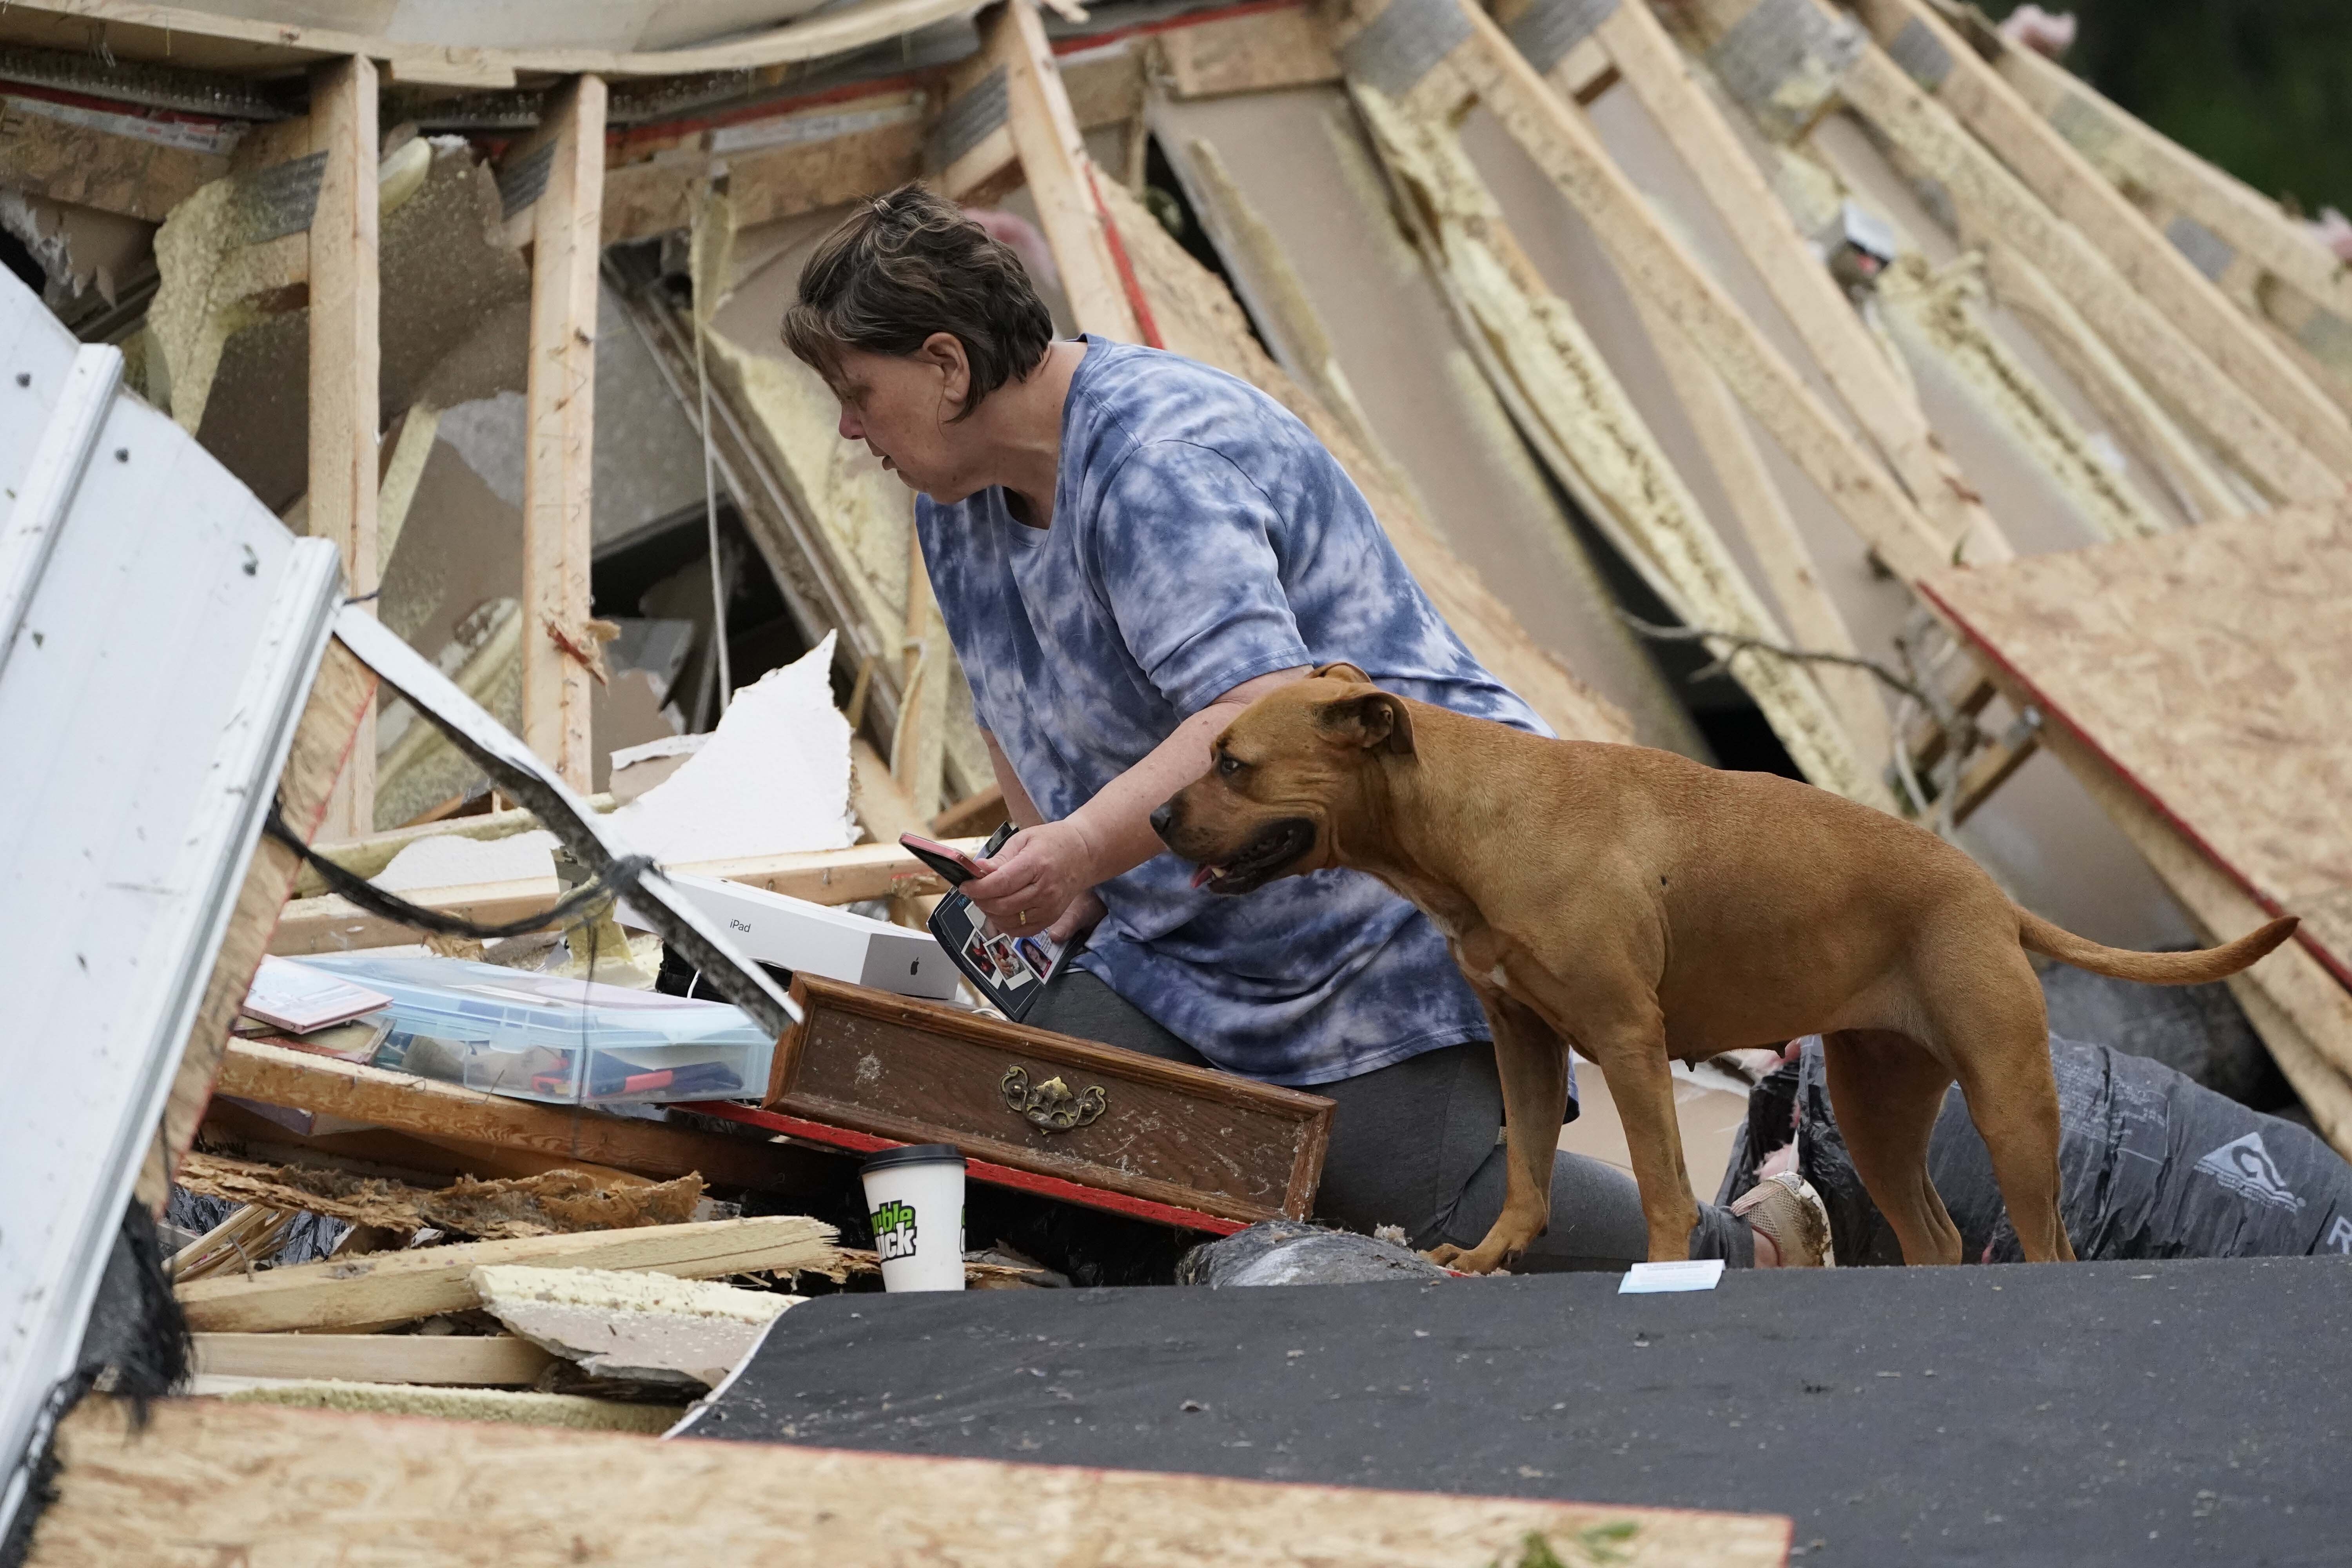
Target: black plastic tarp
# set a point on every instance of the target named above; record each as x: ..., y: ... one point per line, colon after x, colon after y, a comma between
x: 2076, y: 1415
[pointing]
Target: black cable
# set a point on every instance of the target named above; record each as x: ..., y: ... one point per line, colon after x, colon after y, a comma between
x: 1741, y: 641
x: 613, y: 882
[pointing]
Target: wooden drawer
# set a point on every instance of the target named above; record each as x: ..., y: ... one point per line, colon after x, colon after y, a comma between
x: 1087, y: 1112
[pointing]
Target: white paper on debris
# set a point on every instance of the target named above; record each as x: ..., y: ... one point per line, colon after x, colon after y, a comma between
x: 773, y: 778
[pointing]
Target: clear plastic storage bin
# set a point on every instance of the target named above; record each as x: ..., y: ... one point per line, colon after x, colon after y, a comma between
x: 571, y: 1042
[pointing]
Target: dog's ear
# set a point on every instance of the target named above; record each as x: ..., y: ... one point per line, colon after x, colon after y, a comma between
x: 1342, y: 671
x: 1376, y: 720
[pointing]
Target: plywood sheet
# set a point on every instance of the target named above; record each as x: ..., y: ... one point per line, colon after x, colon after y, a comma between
x: 2209, y: 667
x: 209, y: 1482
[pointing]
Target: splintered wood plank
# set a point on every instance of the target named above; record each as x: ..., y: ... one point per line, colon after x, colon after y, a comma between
x: 2077, y: 193
x: 2209, y: 667
x: 566, y: 223
x: 464, y: 1360
x: 380, y: 1288
x: 343, y: 690
x: 209, y: 1483
x: 345, y: 355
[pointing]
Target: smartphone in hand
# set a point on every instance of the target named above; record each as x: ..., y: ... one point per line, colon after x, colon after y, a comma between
x: 953, y: 865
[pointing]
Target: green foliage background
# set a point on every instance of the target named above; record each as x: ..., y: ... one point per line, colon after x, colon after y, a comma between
x: 2264, y: 88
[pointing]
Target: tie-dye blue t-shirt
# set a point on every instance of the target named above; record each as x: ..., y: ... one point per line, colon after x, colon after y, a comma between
x: 1202, y: 536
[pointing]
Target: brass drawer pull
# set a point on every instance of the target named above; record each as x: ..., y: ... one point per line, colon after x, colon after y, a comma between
x: 1050, y: 1104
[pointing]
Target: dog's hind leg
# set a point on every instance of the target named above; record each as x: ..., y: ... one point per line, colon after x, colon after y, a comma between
x: 1886, y: 1092
x: 1991, y: 1018
x: 1532, y: 1060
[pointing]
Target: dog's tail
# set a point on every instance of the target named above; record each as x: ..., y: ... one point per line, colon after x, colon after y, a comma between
x: 2152, y: 968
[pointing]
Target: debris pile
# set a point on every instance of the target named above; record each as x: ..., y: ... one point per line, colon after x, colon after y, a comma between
x: 416, y: 543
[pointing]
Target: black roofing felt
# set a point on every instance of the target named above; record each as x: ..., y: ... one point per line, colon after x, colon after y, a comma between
x: 2182, y: 1412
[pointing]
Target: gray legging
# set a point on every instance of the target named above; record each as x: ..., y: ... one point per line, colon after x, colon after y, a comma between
x: 1414, y: 1145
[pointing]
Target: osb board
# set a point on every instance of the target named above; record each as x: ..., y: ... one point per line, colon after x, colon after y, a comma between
x: 2209, y: 667
x: 210, y: 1483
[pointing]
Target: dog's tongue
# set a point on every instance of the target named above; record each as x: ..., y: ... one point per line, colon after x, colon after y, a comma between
x: 1202, y: 874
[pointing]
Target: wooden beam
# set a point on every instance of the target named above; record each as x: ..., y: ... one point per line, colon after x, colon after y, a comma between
x: 213, y: 1482
x: 982, y: 809
x: 883, y: 870
x: 1567, y: 401
x: 342, y: 691
x: 1995, y: 205
x: 1486, y: 66
x: 329, y: 923
x: 559, y: 659
x: 885, y: 810
x: 1253, y: 51
x: 1928, y: 738
x: 800, y: 158
x: 882, y: 805
x: 242, y: 1132
x: 919, y: 748
x: 2055, y: 172
x: 368, y: 856
x: 196, y: 40
x: 381, y: 1288
x: 2195, y: 482
x: 428, y: 1109
x: 1053, y: 158
x: 345, y: 355
x: 2230, y: 229
x: 1992, y: 767
x: 1882, y: 403
x: 1757, y: 506
x: 480, y: 1360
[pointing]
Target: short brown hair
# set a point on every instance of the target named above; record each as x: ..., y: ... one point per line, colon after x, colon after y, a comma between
x: 909, y: 264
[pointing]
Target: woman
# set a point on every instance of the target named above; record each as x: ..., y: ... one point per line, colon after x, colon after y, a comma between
x: 1129, y: 548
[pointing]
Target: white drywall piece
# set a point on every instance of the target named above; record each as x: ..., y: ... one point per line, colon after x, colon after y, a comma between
x: 773, y: 778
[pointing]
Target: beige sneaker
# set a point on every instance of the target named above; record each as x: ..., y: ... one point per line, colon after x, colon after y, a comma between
x: 1786, y: 1208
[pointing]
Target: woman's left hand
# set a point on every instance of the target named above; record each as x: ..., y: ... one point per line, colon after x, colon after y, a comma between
x: 1038, y: 874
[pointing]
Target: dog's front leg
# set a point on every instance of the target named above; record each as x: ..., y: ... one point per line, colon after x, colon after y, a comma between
x: 1631, y: 1055
x: 1533, y: 1063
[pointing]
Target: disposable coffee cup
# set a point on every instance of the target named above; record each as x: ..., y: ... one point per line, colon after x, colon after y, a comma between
x: 914, y: 1197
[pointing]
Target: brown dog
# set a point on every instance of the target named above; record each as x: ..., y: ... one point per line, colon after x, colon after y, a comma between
x: 1641, y: 907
